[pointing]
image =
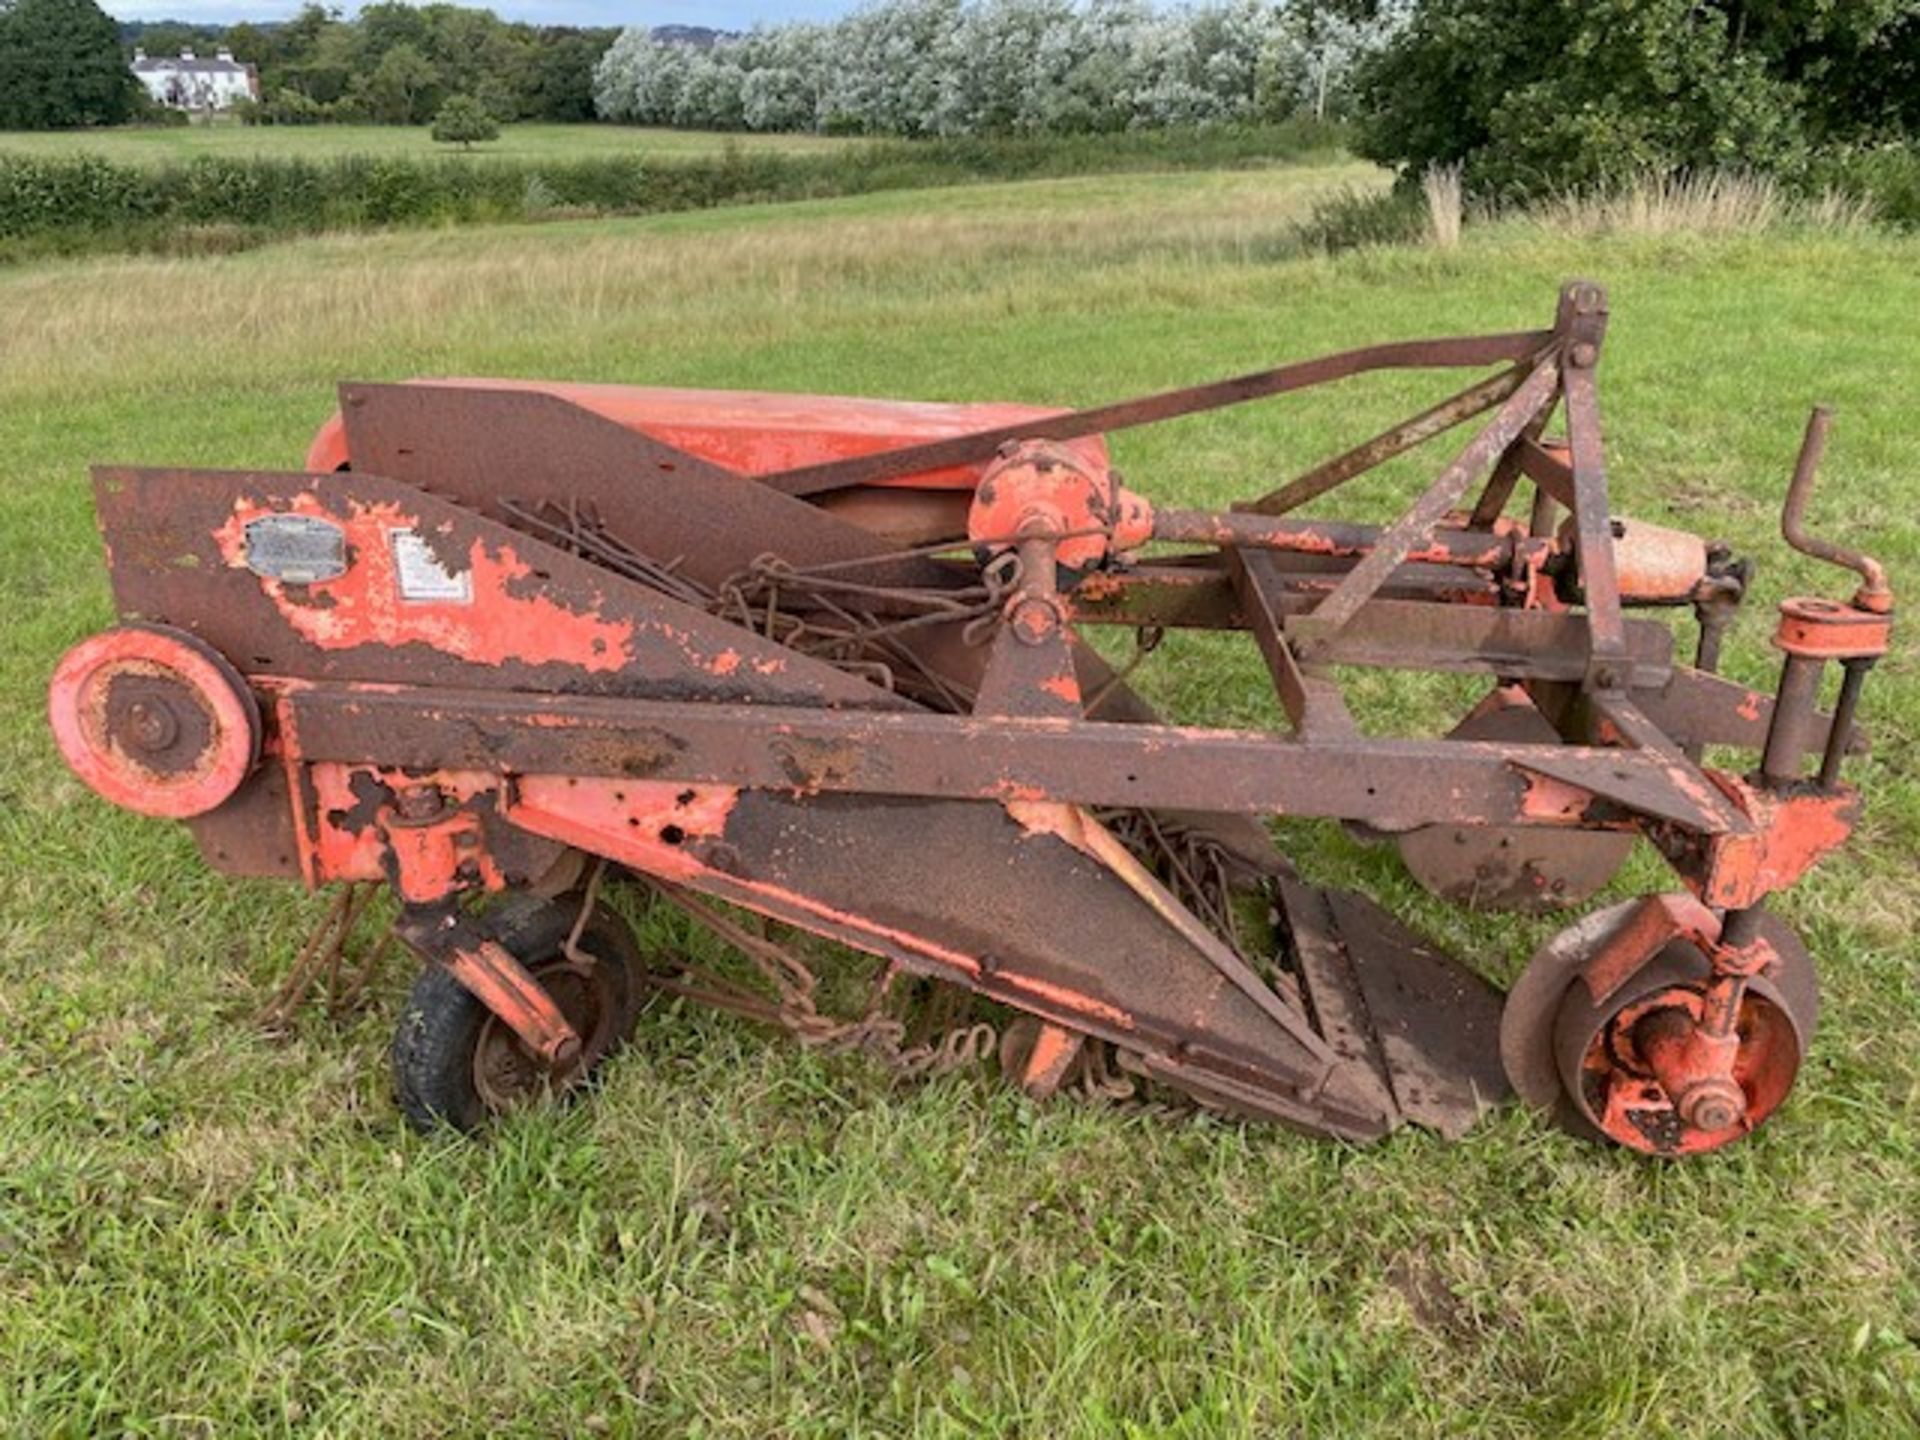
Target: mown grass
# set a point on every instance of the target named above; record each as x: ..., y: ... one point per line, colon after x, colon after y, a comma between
x: 163, y: 145
x: 202, y: 1232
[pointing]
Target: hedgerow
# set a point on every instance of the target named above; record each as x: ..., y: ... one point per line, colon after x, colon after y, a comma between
x: 82, y: 202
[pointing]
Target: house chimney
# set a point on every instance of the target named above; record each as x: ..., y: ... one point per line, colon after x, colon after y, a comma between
x: 139, y: 54
x: 186, y: 54
x: 226, y: 54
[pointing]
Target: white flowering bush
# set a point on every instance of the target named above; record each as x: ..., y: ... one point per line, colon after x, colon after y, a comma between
x: 995, y: 67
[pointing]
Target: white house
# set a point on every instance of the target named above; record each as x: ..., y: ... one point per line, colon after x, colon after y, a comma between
x: 190, y: 83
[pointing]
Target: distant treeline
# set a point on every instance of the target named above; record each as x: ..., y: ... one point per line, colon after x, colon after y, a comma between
x: 998, y: 67
x: 69, y: 204
x: 396, y: 64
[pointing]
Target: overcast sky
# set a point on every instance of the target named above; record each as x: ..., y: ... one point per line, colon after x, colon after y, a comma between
x: 722, y: 14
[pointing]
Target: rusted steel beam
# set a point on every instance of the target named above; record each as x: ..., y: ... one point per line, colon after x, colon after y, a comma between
x: 1201, y: 596
x: 1394, y: 634
x: 1396, y: 440
x: 1411, y: 531
x: 1633, y: 727
x: 1583, y: 323
x: 1507, y: 472
x: 1476, y: 549
x: 1547, y: 470
x: 1393, y: 783
x: 1518, y: 644
x: 1463, y: 352
x: 1176, y: 597
x: 1312, y: 701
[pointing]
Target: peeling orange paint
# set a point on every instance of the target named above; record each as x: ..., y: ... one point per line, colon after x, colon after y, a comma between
x: 1072, y: 1001
x: 1063, y: 687
x: 1549, y: 799
x: 502, y: 622
x: 643, y: 823
x: 1039, y: 816
x: 1790, y: 834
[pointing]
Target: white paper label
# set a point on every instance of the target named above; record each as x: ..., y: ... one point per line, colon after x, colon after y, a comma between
x: 421, y: 576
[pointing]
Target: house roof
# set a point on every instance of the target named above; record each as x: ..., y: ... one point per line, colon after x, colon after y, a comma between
x: 177, y: 65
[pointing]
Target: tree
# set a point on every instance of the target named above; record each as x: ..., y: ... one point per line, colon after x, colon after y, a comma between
x: 61, y: 67
x: 404, y: 88
x: 560, y: 85
x: 464, y: 121
x: 1534, y: 96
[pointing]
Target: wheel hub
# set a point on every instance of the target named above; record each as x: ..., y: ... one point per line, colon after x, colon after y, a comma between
x: 506, y: 1073
x: 1650, y: 1077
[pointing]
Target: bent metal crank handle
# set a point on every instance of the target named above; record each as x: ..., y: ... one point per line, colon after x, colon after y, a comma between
x: 1813, y: 631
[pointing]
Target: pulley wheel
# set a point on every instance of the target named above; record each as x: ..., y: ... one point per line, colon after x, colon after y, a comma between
x: 1529, y: 868
x: 155, y: 720
x: 1588, y: 1062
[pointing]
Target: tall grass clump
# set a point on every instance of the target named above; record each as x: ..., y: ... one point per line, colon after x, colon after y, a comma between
x: 1886, y: 177
x: 1441, y: 185
x: 1717, y: 202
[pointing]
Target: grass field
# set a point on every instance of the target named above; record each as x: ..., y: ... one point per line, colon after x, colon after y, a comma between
x: 205, y: 1233
x: 160, y: 145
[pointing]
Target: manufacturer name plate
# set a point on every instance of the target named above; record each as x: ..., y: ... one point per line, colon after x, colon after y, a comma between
x: 296, y: 549
x: 418, y: 573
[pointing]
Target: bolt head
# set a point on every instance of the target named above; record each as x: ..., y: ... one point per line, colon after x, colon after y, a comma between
x: 152, y: 727
x: 1713, y: 1105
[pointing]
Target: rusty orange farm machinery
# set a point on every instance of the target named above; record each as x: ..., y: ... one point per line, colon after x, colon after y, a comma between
x: 816, y: 672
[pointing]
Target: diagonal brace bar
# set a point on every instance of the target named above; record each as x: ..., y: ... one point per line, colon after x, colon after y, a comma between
x: 1331, y: 474
x: 1458, y: 352
x: 1398, y: 540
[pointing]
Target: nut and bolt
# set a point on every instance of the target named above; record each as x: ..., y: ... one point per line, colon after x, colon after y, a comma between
x: 153, y: 727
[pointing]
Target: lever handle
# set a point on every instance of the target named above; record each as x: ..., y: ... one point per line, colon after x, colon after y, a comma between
x: 1874, y: 594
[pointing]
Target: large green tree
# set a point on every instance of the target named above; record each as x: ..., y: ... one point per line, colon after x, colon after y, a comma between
x: 61, y: 66
x: 396, y: 63
x: 404, y: 88
x: 1539, y: 95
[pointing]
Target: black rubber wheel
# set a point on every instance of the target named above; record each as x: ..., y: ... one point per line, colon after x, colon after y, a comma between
x: 456, y: 1064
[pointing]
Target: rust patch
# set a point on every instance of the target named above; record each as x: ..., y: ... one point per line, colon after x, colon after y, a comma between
x: 814, y: 764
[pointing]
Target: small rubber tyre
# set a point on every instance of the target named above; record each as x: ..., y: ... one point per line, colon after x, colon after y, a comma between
x: 456, y: 1064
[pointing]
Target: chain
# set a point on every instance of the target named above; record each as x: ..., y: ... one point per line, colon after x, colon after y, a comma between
x: 876, y: 1032
x: 321, y: 963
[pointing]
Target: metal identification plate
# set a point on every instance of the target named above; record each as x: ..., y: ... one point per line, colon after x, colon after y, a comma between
x: 296, y: 549
x: 420, y: 575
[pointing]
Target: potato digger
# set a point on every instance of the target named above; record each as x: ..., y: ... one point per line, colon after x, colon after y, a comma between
x: 817, y: 672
